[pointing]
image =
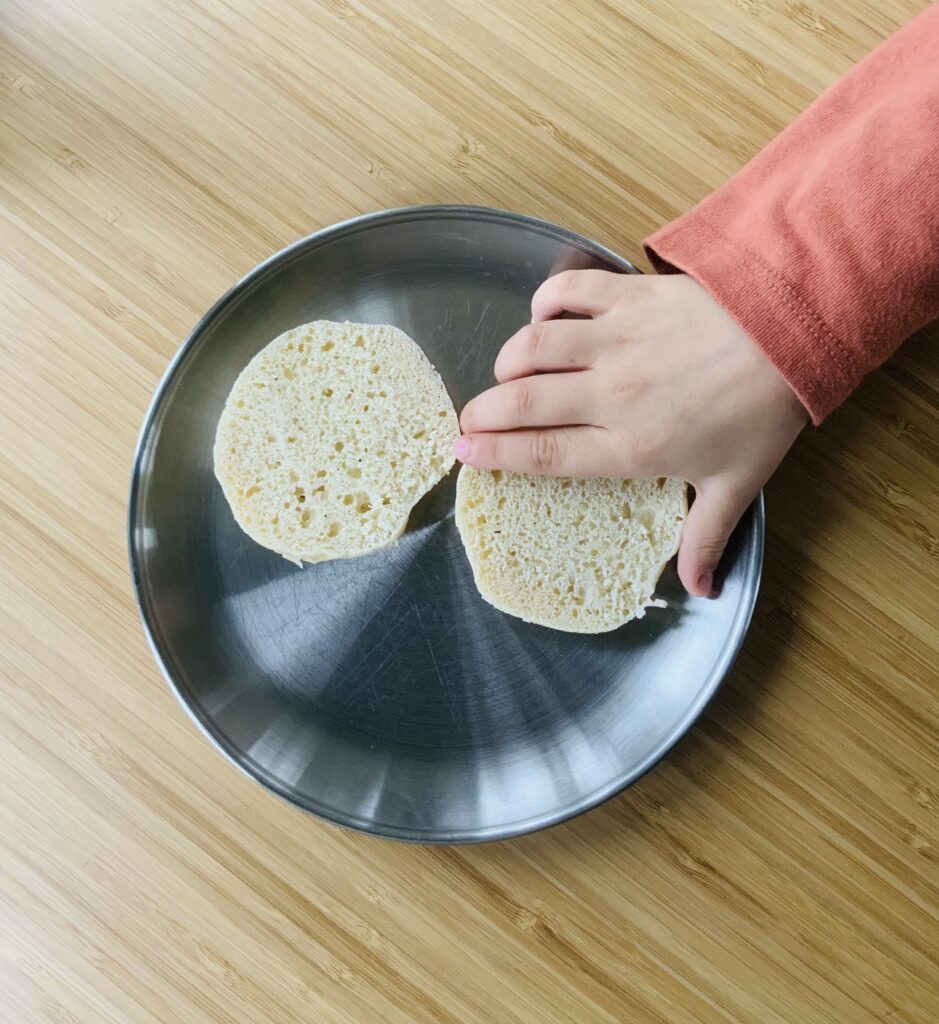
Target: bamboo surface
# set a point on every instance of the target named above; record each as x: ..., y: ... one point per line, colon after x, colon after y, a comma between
x: 782, y: 865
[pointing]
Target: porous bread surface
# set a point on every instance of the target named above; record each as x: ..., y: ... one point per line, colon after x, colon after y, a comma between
x: 330, y: 436
x: 582, y: 556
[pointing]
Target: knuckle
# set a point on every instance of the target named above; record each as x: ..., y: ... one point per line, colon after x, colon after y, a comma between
x: 566, y: 278
x: 711, y: 545
x: 578, y: 283
x: 522, y: 399
x: 563, y: 285
x: 533, y: 339
x: 545, y: 450
x: 628, y: 386
x: 635, y: 286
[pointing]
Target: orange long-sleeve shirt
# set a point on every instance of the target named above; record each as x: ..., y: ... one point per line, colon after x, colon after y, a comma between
x: 825, y: 247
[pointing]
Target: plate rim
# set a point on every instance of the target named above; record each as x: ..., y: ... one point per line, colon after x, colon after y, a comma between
x: 739, y: 625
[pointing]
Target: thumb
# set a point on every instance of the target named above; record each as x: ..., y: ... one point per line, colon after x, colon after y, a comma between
x: 711, y: 520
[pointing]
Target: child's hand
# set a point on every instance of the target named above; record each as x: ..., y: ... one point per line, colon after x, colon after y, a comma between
x: 659, y: 382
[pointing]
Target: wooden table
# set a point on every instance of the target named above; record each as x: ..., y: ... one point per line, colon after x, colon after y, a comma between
x: 781, y: 865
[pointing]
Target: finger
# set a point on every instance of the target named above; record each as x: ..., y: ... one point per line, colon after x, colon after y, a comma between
x: 711, y: 520
x: 562, y: 451
x: 548, y: 348
x: 557, y: 399
x: 587, y: 292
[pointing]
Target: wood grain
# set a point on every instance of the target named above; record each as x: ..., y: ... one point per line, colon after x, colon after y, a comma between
x: 781, y: 866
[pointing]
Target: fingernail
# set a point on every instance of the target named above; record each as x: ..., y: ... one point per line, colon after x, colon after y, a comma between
x: 463, y: 448
x: 706, y: 583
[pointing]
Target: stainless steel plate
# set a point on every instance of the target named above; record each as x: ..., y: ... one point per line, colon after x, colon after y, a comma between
x: 383, y: 693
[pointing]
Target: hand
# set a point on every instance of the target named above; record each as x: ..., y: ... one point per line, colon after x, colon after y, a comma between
x: 660, y: 381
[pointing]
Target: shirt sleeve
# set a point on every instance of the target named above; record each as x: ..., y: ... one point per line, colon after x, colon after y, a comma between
x: 825, y: 247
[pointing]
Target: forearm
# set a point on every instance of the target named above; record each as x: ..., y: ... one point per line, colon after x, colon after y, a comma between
x: 825, y: 247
